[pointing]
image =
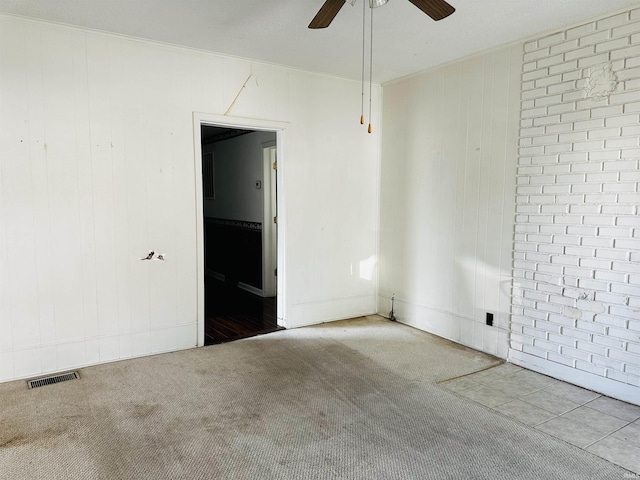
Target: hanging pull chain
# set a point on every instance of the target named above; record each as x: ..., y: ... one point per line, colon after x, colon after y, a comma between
x: 370, y: 69
x: 364, y: 9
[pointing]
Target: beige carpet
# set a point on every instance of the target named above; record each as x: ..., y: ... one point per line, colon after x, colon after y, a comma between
x: 356, y: 399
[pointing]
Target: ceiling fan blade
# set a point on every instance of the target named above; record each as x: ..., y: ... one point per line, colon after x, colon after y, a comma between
x: 436, y: 9
x: 326, y: 14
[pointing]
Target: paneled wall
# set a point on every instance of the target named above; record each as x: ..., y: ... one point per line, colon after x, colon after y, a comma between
x: 97, y: 168
x: 447, y: 198
x: 577, y: 265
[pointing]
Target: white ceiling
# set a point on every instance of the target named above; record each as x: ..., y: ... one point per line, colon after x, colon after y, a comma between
x: 275, y: 31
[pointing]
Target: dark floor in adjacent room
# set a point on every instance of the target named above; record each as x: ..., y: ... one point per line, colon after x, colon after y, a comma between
x: 232, y: 313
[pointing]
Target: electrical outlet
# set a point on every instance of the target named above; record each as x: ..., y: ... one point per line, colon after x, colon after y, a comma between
x: 490, y: 319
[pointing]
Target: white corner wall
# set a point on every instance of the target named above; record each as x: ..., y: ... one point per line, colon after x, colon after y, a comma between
x: 577, y: 250
x: 97, y: 167
x: 447, y: 198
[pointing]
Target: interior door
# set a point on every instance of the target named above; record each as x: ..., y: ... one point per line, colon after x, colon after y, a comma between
x: 270, y: 225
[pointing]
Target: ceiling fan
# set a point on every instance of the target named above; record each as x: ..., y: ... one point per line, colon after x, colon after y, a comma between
x: 436, y: 9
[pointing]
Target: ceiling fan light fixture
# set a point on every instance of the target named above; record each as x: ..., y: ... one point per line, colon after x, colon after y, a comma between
x: 352, y: 2
x: 377, y: 3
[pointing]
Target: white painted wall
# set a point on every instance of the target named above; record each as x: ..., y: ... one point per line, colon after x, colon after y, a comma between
x: 97, y: 166
x: 577, y: 283
x: 238, y: 165
x: 447, y: 198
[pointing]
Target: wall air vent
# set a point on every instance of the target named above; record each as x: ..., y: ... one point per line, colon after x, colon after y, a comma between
x: 63, y: 377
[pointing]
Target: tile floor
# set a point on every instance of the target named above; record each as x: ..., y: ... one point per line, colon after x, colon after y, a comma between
x: 601, y: 425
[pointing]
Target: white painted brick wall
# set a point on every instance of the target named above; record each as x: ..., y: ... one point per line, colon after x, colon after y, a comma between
x: 576, y: 295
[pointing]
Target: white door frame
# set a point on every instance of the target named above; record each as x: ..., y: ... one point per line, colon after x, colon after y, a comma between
x: 279, y: 128
x: 269, y: 226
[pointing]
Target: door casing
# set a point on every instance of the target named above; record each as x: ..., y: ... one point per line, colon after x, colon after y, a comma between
x: 279, y: 128
x: 269, y: 223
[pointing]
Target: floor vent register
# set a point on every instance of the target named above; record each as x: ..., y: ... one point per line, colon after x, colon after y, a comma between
x: 63, y: 377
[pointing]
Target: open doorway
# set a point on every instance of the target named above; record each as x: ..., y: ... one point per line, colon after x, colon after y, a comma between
x: 240, y: 232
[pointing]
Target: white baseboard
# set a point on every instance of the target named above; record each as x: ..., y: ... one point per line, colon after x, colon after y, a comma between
x: 321, y: 311
x: 605, y: 386
x: 450, y: 325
